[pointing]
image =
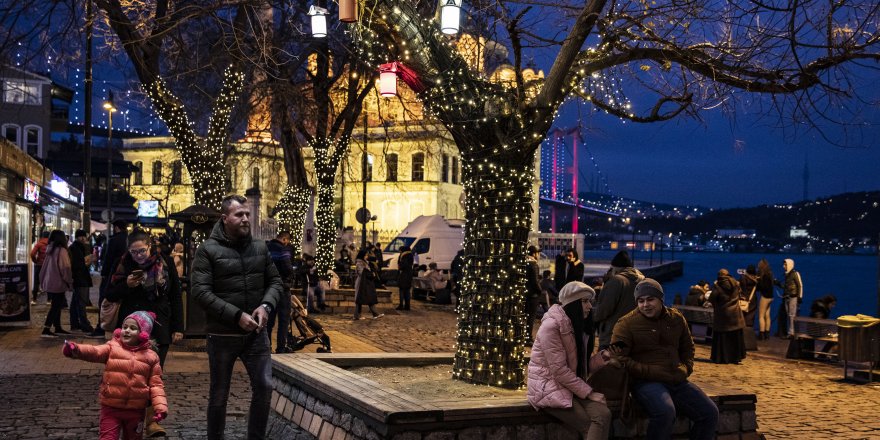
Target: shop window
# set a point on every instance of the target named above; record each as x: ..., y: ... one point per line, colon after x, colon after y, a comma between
x: 22, y: 229
x: 138, y: 175
x: 176, y: 172
x: 33, y: 140
x: 4, y: 232
x: 418, y: 167
x: 455, y: 170
x: 157, y: 173
x: 391, y: 167
x: 11, y: 133
x: 20, y: 92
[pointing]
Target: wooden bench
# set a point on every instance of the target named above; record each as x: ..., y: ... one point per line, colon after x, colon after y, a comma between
x: 819, y: 331
x: 699, y: 319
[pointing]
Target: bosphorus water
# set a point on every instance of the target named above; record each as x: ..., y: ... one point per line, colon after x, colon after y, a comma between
x: 851, y: 278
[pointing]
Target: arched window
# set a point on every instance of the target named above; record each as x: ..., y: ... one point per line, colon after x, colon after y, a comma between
x: 227, y: 178
x: 367, y: 168
x: 12, y: 133
x: 391, y: 167
x: 255, y: 178
x: 138, y: 175
x: 418, y: 167
x: 176, y: 172
x: 157, y: 173
x: 444, y: 167
x: 455, y: 170
x: 33, y: 140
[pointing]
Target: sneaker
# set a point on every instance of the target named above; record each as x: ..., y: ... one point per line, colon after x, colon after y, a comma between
x: 61, y: 331
x: 47, y: 334
x: 33, y: 302
x: 378, y: 316
x: 87, y: 329
x: 357, y: 318
x: 399, y: 308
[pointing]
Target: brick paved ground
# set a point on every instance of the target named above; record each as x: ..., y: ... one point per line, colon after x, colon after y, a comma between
x: 48, y: 396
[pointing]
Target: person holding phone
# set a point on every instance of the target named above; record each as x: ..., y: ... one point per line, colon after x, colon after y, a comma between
x: 558, y: 366
x: 146, y: 280
x: 657, y: 349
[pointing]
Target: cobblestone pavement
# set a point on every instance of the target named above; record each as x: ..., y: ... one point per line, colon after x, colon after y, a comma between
x: 50, y: 397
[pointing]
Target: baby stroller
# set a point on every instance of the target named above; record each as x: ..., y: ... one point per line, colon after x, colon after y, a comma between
x: 310, y: 331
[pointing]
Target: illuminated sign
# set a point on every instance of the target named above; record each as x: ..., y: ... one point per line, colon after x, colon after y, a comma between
x: 58, y: 186
x: 31, y: 191
x: 148, y: 208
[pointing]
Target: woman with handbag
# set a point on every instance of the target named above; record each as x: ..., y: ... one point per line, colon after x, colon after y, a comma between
x: 147, y: 280
x: 558, y: 366
x: 748, y: 282
x: 56, y: 278
x: 728, y: 343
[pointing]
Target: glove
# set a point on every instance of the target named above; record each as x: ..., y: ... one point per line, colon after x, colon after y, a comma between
x: 69, y: 349
x: 160, y: 415
x: 680, y: 374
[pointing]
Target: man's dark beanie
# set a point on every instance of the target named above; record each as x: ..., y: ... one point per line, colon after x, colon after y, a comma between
x: 648, y: 287
x: 622, y: 259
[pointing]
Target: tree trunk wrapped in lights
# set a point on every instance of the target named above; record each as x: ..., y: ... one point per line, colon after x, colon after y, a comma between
x: 203, y: 159
x: 491, y: 311
x: 328, y: 153
x: 291, y: 213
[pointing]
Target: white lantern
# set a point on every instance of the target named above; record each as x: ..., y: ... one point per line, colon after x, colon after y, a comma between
x: 450, y: 15
x: 319, y: 21
x: 388, y: 83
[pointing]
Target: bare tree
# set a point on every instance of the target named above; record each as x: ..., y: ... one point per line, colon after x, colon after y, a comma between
x: 677, y: 58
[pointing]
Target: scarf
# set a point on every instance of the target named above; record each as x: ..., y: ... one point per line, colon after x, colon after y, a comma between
x: 155, y: 276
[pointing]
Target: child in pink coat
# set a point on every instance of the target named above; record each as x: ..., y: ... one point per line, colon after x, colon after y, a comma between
x: 132, y: 379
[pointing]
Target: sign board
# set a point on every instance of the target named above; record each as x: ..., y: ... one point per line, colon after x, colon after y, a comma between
x: 31, y: 191
x: 14, y: 298
x: 148, y: 208
x: 362, y: 215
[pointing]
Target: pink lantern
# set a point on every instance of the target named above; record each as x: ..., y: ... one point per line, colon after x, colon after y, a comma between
x: 388, y: 79
x: 348, y: 11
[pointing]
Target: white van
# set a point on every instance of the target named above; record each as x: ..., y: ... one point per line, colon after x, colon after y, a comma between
x: 434, y: 238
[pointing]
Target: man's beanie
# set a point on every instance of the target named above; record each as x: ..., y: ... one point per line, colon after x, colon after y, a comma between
x: 145, y: 322
x: 648, y: 287
x: 622, y: 259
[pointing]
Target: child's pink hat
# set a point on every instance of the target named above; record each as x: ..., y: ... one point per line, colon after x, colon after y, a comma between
x: 145, y: 322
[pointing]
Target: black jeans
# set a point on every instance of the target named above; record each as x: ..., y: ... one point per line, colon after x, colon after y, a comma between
x: 282, y: 312
x: 53, y: 318
x: 253, y: 350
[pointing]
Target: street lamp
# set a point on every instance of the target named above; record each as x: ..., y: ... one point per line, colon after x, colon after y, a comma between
x: 110, y: 107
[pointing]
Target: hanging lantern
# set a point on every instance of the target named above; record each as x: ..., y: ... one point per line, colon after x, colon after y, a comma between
x: 450, y: 14
x: 319, y: 21
x: 388, y: 80
x: 348, y: 11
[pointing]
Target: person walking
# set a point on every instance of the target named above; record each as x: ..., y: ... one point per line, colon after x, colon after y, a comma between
x: 114, y: 249
x: 616, y: 298
x: 792, y: 294
x: 146, y: 280
x: 748, y: 283
x: 237, y: 285
x: 132, y: 379
x: 558, y: 366
x: 765, y: 288
x: 658, y: 352
x: 728, y: 343
x: 404, y: 277
x: 80, y: 259
x: 279, y: 252
x: 38, y: 256
x: 365, y: 290
x: 56, y: 278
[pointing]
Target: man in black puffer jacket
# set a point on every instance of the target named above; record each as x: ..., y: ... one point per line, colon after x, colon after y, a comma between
x: 236, y: 282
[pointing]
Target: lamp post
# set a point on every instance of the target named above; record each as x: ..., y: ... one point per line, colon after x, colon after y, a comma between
x: 110, y: 107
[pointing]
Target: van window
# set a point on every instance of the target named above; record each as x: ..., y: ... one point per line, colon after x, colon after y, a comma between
x: 422, y: 246
x: 396, y: 244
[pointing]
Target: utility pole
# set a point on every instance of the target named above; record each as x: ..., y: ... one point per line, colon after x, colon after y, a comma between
x: 87, y: 128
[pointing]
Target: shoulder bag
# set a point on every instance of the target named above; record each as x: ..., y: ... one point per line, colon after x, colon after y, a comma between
x: 744, y: 304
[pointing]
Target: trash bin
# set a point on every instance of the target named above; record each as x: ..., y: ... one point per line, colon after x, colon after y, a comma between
x: 859, y: 338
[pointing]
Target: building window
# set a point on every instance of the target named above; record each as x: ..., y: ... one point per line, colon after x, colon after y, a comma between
x: 176, y: 172
x: 33, y: 140
x: 444, y: 166
x: 455, y: 170
x: 157, y: 173
x: 255, y: 178
x: 367, y: 168
x: 418, y: 167
x: 391, y: 166
x: 227, y: 178
x: 19, y: 92
x: 138, y: 175
x: 11, y: 133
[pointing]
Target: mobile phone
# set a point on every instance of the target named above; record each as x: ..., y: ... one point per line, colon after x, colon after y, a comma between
x: 619, y: 344
x: 137, y: 273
